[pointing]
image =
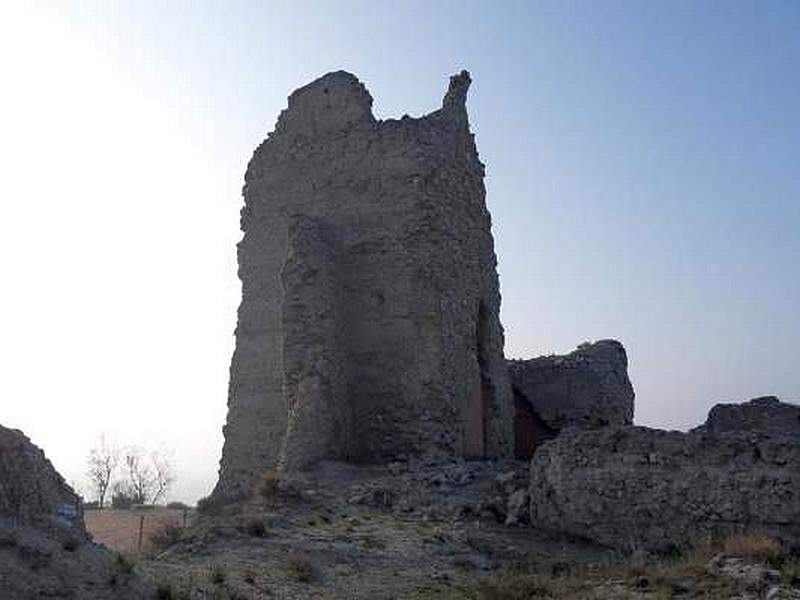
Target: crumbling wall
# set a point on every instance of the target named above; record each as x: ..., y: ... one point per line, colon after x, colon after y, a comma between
x: 381, y: 338
x: 587, y: 388
x: 635, y: 487
x: 766, y: 414
x: 31, y: 490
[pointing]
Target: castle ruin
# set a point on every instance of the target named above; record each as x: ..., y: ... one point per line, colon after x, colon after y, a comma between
x: 369, y: 323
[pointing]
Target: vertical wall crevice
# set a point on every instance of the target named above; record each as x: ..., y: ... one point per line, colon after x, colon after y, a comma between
x: 530, y: 429
x: 483, y: 400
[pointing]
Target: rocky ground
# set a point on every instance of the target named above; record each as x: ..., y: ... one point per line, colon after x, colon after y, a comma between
x: 38, y: 563
x: 45, y: 551
x: 419, y: 530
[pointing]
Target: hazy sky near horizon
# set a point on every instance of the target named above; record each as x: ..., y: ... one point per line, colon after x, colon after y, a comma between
x: 642, y: 172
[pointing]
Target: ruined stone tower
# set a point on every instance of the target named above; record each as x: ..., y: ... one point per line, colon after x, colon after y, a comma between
x: 369, y: 324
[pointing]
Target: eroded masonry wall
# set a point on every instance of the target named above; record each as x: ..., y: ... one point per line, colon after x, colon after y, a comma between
x: 636, y: 487
x: 31, y: 490
x: 369, y: 323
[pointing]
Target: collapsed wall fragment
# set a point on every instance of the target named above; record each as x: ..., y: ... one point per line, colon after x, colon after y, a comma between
x: 636, y: 487
x: 588, y: 387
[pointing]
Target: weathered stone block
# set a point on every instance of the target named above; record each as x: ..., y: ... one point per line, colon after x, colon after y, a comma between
x: 588, y: 388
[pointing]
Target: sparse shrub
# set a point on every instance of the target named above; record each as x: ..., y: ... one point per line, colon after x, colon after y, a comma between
x: 93, y: 505
x: 209, y: 506
x: 177, y: 506
x: 299, y: 567
x: 374, y: 543
x: 636, y: 564
x: 753, y: 546
x: 166, y: 536
x: 517, y: 587
x: 255, y: 528
x: 217, y: 574
x: 249, y: 577
x: 165, y: 591
x: 168, y: 590
x: 124, y: 563
x: 71, y: 544
x: 268, y: 485
x: 121, y: 500
x: 790, y: 571
x: 8, y: 539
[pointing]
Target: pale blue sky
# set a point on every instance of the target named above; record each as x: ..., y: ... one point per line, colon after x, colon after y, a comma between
x: 642, y: 173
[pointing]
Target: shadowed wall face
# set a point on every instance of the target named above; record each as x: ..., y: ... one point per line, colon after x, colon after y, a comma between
x: 588, y: 387
x: 369, y: 324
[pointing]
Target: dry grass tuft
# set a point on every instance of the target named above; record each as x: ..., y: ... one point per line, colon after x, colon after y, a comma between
x: 255, y: 527
x: 210, y: 506
x: 268, y: 486
x: 790, y: 571
x: 752, y: 546
x: 686, y: 574
x: 217, y: 574
x: 125, y: 563
x: 521, y: 587
x: 165, y: 536
x: 299, y: 567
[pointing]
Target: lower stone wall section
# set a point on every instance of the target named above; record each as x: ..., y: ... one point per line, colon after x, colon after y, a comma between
x: 635, y: 487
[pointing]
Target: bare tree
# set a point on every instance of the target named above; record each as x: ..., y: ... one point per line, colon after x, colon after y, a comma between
x: 103, y: 461
x: 149, y: 476
x: 163, y: 474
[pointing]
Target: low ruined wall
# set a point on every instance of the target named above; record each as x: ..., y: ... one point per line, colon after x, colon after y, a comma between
x: 634, y: 487
x: 587, y: 388
x: 766, y: 414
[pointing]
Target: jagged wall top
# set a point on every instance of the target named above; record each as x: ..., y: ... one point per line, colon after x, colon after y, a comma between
x: 339, y: 100
x: 335, y: 101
